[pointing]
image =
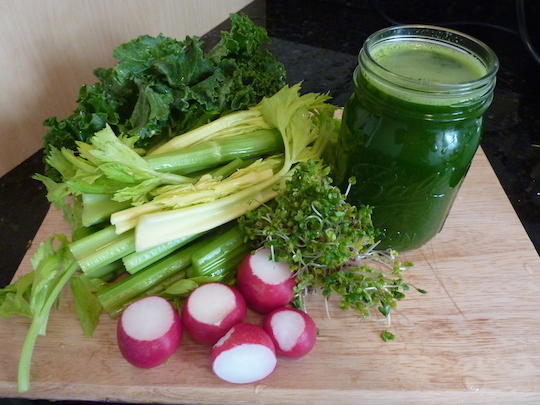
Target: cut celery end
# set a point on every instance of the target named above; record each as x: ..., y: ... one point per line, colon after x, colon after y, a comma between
x: 107, y: 254
x: 89, y: 244
x: 99, y: 207
x: 137, y: 261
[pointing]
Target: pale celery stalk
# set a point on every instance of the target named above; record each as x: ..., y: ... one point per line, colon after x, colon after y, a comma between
x: 206, y: 190
x: 161, y: 227
x: 212, y: 129
x: 127, y: 219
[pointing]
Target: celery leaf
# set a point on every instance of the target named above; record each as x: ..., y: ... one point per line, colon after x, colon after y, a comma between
x: 36, y: 293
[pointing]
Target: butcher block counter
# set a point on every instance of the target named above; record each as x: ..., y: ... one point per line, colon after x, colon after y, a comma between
x: 471, y: 339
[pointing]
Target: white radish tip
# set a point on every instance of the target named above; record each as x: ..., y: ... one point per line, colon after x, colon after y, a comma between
x: 288, y: 326
x: 148, y: 319
x: 245, y: 364
x: 210, y: 303
x: 269, y: 271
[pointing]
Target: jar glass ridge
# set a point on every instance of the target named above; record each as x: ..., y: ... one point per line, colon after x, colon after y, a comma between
x: 412, y: 126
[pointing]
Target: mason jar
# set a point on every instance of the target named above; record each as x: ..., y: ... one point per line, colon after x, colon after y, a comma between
x: 412, y: 126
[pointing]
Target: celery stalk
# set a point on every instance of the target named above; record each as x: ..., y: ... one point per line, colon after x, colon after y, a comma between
x: 229, y: 168
x: 92, y: 263
x: 246, y: 118
x: 212, y: 153
x: 109, y: 271
x: 114, y: 296
x: 99, y: 207
x: 220, y: 254
x: 89, y: 244
x: 161, y: 227
x: 127, y: 219
x: 153, y: 290
x: 136, y: 261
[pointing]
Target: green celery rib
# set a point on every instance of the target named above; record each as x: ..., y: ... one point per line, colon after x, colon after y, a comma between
x: 213, y: 259
x: 99, y: 207
x: 154, y: 290
x: 121, y: 246
x: 109, y: 271
x: 230, y: 267
x: 212, y: 153
x: 116, y: 295
x: 90, y: 243
x: 223, y: 269
x: 136, y: 261
x: 162, y: 286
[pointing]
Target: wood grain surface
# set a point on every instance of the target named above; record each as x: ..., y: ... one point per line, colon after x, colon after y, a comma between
x: 472, y: 339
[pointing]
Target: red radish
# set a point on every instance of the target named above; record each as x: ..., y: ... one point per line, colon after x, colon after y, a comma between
x: 211, y: 310
x: 293, y: 331
x: 265, y: 284
x: 149, y: 331
x: 244, y: 355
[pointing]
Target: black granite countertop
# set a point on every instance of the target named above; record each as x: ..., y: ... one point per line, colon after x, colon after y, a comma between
x: 318, y: 42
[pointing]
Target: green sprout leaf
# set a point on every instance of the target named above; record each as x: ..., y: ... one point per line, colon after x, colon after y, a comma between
x: 329, y: 243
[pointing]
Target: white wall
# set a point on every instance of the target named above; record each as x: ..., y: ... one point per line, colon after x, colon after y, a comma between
x: 49, y: 48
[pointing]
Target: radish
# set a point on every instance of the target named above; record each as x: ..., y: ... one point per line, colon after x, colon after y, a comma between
x: 149, y: 331
x: 265, y: 284
x: 244, y: 355
x: 211, y: 310
x: 293, y: 331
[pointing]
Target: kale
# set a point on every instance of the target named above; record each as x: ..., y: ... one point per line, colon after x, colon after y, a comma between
x: 162, y: 87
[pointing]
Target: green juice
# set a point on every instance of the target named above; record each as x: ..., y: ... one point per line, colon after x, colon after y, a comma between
x: 409, y: 133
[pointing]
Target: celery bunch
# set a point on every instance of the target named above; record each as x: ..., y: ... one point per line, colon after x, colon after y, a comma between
x: 132, y: 212
x: 305, y: 123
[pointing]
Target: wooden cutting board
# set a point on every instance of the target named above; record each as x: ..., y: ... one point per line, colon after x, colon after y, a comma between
x: 471, y: 339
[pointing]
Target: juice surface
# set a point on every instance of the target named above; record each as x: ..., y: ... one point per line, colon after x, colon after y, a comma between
x: 409, y: 158
x: 428, y: 61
